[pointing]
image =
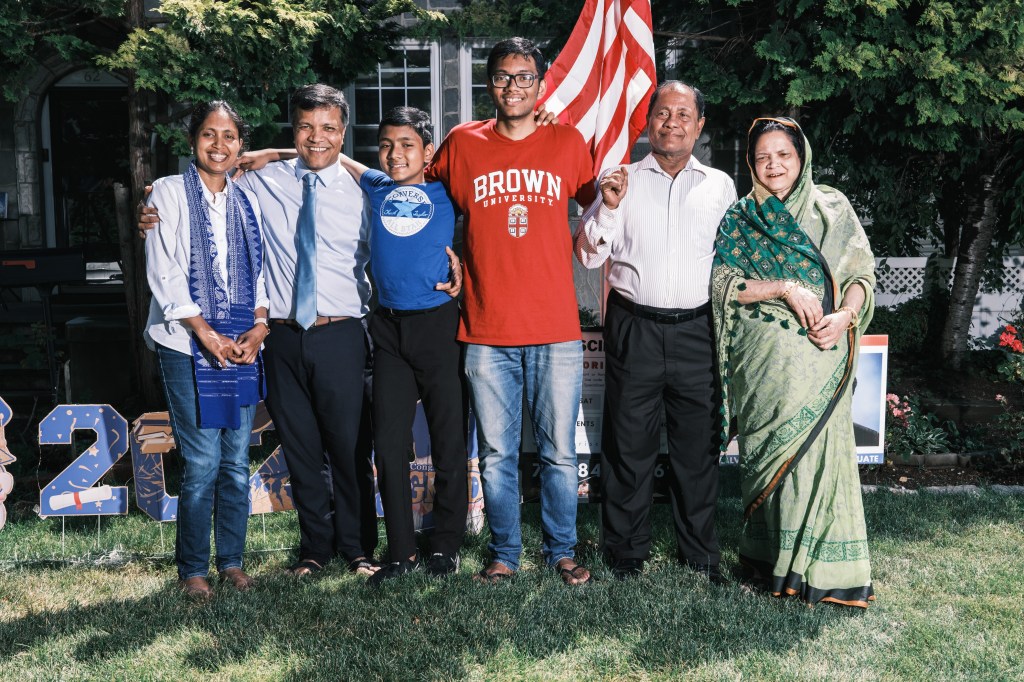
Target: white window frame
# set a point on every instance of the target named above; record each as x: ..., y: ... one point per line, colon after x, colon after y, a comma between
x: 435, y: 94
x: 466, y: 75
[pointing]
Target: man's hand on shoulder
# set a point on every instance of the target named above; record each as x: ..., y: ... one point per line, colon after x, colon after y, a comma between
x: 613, y: 187
x: 258, y: 158
x: 146, y: 217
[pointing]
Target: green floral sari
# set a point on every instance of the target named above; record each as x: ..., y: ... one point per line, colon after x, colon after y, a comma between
x: 804, y: 531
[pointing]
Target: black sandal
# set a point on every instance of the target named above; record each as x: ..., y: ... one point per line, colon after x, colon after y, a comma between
x: 570, y: 576
x: 304, y: 568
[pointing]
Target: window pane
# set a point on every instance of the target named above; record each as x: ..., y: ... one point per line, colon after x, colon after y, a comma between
x: 483, y: 106
x: 418, y: 58
x: 367, y: 78
x: 366, y: 109
x: 366, y: 157
x: 390, y: 99
x: 480, y: 75
x: 419, y: 99
x: 392, y: 78
x: 418, y: 78
x: 365, y: 136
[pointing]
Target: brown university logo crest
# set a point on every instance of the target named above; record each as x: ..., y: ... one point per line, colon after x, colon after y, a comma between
x: 517, y: 220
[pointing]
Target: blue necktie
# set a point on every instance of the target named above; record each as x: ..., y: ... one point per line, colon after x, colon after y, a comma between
x: 305, y: 255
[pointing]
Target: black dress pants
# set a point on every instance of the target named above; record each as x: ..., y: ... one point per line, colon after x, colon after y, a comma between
x: 315, y: 397
x: 655, y: 370
x: 416, y: 355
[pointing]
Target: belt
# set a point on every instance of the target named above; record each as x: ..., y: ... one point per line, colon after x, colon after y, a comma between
x: 659, y: 315
x: 321, y: 321
x: 391, y: 312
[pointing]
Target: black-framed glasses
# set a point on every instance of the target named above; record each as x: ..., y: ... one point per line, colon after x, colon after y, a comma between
x: 523, y: 80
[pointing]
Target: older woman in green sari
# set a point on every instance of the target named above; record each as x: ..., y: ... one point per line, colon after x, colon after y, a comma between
x: 792, y: 294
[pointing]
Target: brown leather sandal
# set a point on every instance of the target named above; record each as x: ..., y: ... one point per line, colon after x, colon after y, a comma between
x: 241, y: 580
x: 494, y: 573
x: 197, y: 588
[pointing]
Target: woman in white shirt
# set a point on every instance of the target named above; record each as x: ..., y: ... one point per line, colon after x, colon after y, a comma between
x: 207, y: 321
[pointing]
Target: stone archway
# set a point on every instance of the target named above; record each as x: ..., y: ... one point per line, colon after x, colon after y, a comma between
x: 28, y: 151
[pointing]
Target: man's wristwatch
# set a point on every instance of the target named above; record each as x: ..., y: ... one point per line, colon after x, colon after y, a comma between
x: 263, y: 321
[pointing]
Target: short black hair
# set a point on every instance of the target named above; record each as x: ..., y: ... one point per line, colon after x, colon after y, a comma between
x: 523, y: 47
x: 417, y: 119
x: 775, y: 126
x: 317, y: 95
x: 201, y: 111
x: 698, y: 96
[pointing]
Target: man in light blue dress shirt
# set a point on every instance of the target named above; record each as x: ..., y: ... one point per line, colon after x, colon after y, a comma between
x: 315, y: 375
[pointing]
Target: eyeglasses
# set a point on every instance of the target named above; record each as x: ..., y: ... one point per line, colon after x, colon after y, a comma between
x: 523, y: 80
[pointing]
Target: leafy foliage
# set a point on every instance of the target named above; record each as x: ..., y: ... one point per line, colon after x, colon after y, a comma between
x: 911, y: 431
x: 74, y: 30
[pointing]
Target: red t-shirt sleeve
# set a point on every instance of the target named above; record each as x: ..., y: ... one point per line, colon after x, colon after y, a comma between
x: 440, y: 166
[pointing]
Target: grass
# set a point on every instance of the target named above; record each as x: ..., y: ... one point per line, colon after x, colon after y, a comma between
x: 948, y: 573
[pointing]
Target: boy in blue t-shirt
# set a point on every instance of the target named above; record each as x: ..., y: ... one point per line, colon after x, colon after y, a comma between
x: 415, y: 352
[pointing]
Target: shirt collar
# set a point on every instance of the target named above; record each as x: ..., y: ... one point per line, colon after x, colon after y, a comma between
x: 651, y: 163
x: 327, y: 175
x: 213, y: 198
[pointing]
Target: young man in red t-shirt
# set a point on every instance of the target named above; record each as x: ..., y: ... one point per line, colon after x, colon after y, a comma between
x: 513, y: 179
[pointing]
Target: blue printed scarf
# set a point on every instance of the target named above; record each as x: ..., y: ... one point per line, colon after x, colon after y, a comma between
x: 223, y: 391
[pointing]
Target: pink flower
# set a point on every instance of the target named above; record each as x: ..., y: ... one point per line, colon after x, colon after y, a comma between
x: 897, y: 412
x: 892, y: 398
x: 1010, y: 328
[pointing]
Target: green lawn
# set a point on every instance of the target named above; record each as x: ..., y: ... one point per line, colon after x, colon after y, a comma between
x: 949, y: 574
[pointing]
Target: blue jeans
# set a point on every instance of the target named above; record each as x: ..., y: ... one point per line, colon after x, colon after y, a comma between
x: 215, y: 477
x: 551, y: 375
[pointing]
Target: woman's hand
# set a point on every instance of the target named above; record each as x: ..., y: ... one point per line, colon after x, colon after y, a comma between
x: 250, y: 343
x: 222, y: 348
x: 805, y: 305
x: 829, y: 329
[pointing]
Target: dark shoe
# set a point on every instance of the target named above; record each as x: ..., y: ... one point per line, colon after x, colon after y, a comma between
x: 197, y: 588
x: 439, y: 565
x: 712, y: 572
x: 625, y: 569
x: 393, y: 570
x: 304, y: 568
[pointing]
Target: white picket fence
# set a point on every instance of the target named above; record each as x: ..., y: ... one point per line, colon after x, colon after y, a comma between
x: 901, y: 279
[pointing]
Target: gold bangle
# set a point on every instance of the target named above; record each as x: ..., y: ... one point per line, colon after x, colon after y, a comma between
x: 789, y: 289
x: 854, y: 317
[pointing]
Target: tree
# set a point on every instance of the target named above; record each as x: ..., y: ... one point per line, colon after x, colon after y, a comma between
x: 247, y: 51
x: 916, y: 108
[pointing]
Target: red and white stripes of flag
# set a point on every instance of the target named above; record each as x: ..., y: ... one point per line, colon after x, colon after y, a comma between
x: 603, y: 77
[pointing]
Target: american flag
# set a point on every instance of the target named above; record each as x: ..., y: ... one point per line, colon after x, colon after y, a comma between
x: 602, y: 79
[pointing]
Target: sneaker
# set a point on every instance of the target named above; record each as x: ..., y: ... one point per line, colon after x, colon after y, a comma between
x: 392, y: 570
x: 442, y: 564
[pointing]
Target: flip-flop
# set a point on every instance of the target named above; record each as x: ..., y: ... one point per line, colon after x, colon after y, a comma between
x: 492, y: 577
x: 304, y: 568
x: 570, y: 576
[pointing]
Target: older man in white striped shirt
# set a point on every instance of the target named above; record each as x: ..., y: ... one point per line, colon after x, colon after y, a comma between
x: 654, y: 224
